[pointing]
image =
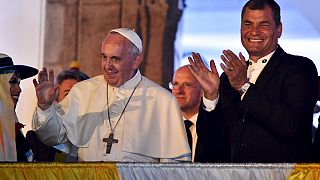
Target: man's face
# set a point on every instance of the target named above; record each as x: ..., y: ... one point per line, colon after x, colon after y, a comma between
x: 15, y: 89
x: 259, y: 34
x: 64, y: 88
x: 118, y: 66
x: 186, y: 89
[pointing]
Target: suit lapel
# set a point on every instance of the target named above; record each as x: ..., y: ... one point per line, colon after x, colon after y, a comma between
x: 270, y: 68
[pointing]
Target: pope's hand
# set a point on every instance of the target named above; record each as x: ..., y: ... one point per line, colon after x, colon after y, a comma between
x: 45, y: 89
x: 208, y: 79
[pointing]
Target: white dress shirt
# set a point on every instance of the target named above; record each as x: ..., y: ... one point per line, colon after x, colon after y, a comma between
x: 193, y: 129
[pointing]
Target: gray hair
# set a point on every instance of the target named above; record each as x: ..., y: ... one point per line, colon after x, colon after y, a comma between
x: 71, y: 74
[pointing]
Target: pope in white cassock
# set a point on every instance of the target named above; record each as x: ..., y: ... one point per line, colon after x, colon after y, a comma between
x: 117, y: 116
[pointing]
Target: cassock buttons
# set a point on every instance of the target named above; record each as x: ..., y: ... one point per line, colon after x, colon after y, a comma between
x: 115, y: 109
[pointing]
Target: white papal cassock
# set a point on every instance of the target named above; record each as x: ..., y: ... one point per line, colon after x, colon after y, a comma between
x: 150, y: 130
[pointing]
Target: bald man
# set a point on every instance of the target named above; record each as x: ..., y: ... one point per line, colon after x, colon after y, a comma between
x: 188, y: 92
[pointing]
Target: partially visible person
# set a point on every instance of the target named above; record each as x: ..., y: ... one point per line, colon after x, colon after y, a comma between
x: 65, y: 80
x: 14, y: 146
x: 188, y: 92
x: 63, y: 152
x: 267, y: 102
x: 117, y: 116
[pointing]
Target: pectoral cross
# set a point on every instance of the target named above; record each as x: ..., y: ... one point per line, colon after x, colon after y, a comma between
x: 110, y: 140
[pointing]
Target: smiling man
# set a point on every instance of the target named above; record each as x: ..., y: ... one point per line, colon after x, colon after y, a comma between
x: 267, y: 101
x: 117, y: 116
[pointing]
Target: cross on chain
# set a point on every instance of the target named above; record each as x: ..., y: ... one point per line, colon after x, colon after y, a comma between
x: 110, y: 140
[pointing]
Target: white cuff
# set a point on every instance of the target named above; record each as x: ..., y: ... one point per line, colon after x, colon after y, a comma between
x: 40, y: 117
x: 209, y: 105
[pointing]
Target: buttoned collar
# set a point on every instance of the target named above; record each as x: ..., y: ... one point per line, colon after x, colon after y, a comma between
x: 264, y: 60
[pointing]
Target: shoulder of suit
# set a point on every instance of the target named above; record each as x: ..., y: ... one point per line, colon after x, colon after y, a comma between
x: 295, y: 60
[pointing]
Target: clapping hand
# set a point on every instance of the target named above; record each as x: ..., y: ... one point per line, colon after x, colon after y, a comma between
x: 45, y: 89
x: 235, y: 68
x: 208, y: 79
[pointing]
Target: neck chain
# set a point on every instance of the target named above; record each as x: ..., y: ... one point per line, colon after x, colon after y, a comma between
x: 113, y: 128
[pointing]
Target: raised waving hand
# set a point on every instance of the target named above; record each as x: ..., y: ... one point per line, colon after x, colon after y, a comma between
x: 45, y: 89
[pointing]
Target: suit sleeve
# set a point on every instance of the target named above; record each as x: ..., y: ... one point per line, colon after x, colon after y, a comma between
x: 213, y: 143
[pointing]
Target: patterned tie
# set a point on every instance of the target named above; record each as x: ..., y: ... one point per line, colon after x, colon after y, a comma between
x: 188, y: 124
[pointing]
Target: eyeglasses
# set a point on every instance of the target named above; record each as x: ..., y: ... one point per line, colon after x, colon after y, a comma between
x: 185, y: 85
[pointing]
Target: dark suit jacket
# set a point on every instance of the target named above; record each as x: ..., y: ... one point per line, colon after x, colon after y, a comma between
x: 273, y: 121
x: 212, y: 145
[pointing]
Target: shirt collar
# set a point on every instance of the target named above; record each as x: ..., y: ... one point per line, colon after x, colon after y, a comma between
x: 263, y: 60
x: 193, y: 119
